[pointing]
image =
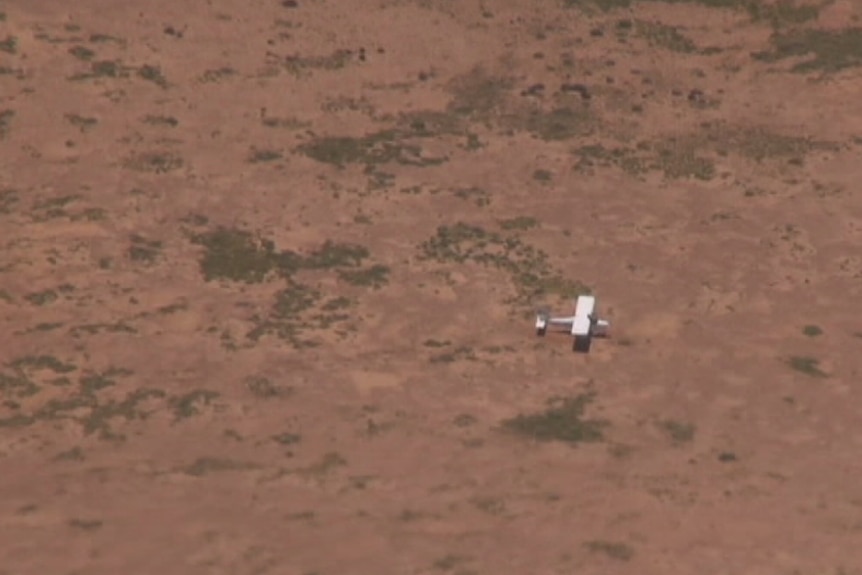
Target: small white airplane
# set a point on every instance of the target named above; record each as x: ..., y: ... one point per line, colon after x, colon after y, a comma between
x: 583, y: 326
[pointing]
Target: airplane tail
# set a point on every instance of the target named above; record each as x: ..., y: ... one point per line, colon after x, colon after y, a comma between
x: 541, y: 322
x: 602, y: 327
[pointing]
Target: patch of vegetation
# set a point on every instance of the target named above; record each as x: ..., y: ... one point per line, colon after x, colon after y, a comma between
x: 43, y: 297
x: 153, y: 74
x: 17, y: 386
x: 727, y: 456
x: 154, y: 120
x: 679, y: 432
x: 99, y: 69
x: 603, y: 5
x: 561, y: 421
x: 678, y: 160
x: 81, y: 403
x: 543, y: 176
x: 294, y: 300
x: 9, y: 45
x: 6, y: 117
x: 287, y: 438
x: 657, y: 34
x: 374, y: 277
x: 292, y: 315
x: 82, y: 53
x: 92, y: 382
x: 236, y: 255
x: 807, y: 365
x: 217, y: 74
x: 85, y: 524
x: 488, y: 504
x: 74, y: 454
x: 143, y: 250
x: 105, y: 39
x: 154, y: 162
x: 189, y: 404
x: 8, y: 71
x: 376, y: 148
x: 205, y: 465
x: 759, y: 144
x: 519, y: 223
x: 49, y: 208
x: 8, y: 198
x: 46, y: 326
x: 462, y: 352
x: 478, y: 195
x: 812, y: 330
x: 286, y: 123
x: 828, y: 51
x: 449, y: 562
x: 528, y: 267
x: 398, y: 143
x: 478, y: 95
x: 257, y: 156
x: 42, y: 362
x: 101, y: 414
x: 675, y: 159
x: 94, y: 328
x: 83, y: 123
x: 264, y: 388
x: 91, y: 215
x: 558, y: 124
x: 688, y: 155
x: 464, y: 420
x: 302, y: 66
x: 614, y: 550
x: 780, y: 13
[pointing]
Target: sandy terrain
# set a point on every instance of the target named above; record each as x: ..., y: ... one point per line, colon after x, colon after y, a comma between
x: 269, y: 269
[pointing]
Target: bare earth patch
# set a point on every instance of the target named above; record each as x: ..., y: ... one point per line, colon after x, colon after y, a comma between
x: 268, y: 272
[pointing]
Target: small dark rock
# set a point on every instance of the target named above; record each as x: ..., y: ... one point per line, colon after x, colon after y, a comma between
x: 422, y: 76
x: 290, y: 4
x: 726, y: 457
x: 597, y: 32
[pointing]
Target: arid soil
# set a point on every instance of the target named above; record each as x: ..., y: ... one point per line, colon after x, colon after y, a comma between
x: 269, y: 270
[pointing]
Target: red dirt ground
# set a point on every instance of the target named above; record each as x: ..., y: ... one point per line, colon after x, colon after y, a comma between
x: 701, y: 179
